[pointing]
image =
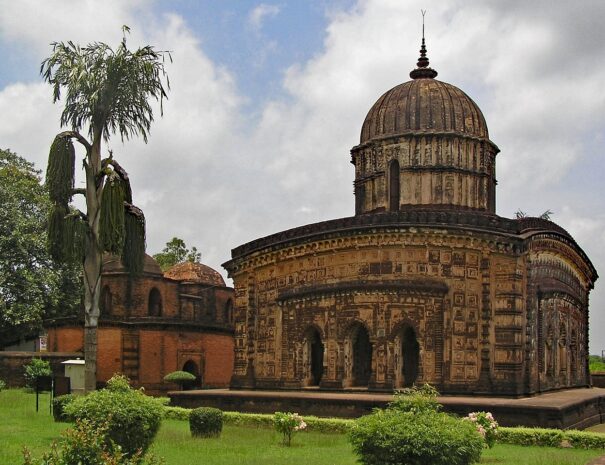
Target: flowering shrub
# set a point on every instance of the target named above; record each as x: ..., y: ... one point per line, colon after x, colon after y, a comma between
x: 287, y: 424
x: 486, y: 426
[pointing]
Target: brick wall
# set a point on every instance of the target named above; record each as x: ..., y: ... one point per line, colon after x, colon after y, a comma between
x: 12, y: 364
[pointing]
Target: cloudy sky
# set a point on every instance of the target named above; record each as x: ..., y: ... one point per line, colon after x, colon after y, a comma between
x: 268, y: 98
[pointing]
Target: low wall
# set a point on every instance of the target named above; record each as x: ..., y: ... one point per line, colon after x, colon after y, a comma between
x: 598, y: 379
x: 566, y: 409
x: 12, y: 364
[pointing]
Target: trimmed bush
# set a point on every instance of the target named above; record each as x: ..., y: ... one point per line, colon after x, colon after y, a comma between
x: 206, y: 422
x: 59, y: 404
x: 179, y: 377
x: 133, y: 419
x: 86, y: 444
x: 392, y: 437
x: 264, y: 420
x: 551, y: 437
x: 35, y: 369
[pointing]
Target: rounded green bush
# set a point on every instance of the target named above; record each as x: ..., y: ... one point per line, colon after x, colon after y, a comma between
x: 392, y: 437
x: 59, y: 404
x: 206, y: 422
x: 132, y: 418
x: 36, y: 368
x: 179, y: 377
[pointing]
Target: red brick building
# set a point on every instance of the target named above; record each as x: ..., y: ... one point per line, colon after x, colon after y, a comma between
x: 157, y: 323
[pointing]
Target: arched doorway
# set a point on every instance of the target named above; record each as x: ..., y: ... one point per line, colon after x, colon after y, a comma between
x: 313, y: 357
x: 191, y: 367
x: 155, y: 303
x: 409, y: 357
x: 359, y: 354
x: 394, y: 190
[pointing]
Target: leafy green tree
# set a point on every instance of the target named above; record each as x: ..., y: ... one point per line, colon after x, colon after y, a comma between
x: 32, y: 286
x: 107, y: 91
x: 176, y: 251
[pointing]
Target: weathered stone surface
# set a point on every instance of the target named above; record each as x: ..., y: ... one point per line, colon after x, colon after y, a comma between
x: 426, y: 283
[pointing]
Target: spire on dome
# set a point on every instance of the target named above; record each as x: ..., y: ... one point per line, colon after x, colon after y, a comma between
x: 423, y: 70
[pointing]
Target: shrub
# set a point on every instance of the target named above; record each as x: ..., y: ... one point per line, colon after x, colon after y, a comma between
x: 287, y: 424
x: 179, y: 377
x: 86, y: 444
x: 551, y: 437
x: 35, y: 369
x: 486, y: 426
x: 392, y: 437
x: 133, y: 419
x: 2, y: 385
x: 206, y: 422
x: 59, y: 404
x: 118, y: 383
x: 416, y: 400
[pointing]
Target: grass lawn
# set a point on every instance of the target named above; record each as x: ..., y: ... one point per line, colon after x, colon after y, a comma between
x: 21, y: 425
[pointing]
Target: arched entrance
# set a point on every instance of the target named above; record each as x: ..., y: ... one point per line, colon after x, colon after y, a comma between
x: 191, y: 367
x: 313, y: 357
x: 407, y: 357
x: 358, y: 350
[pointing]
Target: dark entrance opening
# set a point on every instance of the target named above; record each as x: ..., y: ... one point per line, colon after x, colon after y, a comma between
x: 191, y: 367
x: 317, y: 358
x: 394, y: 191
x: 411, y: 356
x: 362, y: 357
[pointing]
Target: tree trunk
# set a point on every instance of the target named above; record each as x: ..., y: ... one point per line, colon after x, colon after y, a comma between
x: 93, y: 261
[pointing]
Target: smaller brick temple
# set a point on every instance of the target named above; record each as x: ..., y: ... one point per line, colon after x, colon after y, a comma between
x: 156, y: 323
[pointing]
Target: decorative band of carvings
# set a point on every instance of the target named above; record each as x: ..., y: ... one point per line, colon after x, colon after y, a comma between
x: 409, y: 285
x: 405, y: 135
x: 459, y: 219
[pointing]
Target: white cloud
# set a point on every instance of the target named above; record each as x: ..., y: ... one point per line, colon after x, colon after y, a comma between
x: 260, y: 13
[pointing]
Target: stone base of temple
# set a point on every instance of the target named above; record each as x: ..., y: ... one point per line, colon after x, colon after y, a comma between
x: 564, y: 409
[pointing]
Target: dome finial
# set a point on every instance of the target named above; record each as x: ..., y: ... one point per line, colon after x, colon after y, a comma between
x: 423, y: 70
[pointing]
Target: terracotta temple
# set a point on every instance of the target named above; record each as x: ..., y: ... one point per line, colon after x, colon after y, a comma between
x: 426, y: 283
x: 156, y: 323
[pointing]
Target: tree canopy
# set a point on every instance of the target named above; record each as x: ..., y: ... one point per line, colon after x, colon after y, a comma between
x: 176, y: 251
x: 32, y: 285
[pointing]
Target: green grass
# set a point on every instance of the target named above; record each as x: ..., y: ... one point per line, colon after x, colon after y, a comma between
x: 596, y: 364
x: 21, y: 425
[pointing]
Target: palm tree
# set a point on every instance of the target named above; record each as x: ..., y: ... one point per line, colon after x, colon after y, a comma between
x: 106, y: 91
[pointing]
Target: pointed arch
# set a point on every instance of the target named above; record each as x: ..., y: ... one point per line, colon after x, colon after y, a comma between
x: 313, y: 356
x: 358, y: 356
x: 106, y: 301
x: 154, y: 303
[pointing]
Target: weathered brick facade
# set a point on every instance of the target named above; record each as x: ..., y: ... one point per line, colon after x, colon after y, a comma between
x: 153, y: 324
x: 426, y: 283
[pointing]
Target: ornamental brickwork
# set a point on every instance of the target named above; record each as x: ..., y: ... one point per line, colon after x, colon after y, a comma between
x: 425, y: 284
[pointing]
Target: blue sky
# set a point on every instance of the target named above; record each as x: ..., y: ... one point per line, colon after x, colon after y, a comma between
x: 268, y: 98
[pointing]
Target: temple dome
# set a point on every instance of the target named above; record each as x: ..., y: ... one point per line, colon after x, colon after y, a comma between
x: 197, y: 273
x: 113, y: 264
x: 424, y: 105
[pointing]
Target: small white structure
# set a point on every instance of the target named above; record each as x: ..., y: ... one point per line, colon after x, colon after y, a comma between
x: 74, y: 370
